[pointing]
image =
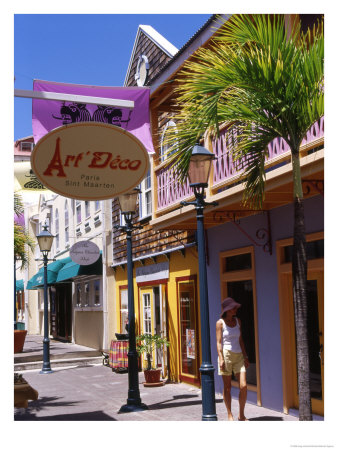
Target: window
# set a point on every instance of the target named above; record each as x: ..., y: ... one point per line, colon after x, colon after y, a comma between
x: 314, y: 250
x: 87, y: 209
x: 88, y: 294
x: 97, y: 290
x: 124, y: 310
x: 57, y: 231
x: 78, y: 211
x: 97, y: 205
x: 165, y: 147
x: 26, y: 146
x: 146, y: 314
x: 78, y: 295
x: 145, y: 205
x: 66, y: 223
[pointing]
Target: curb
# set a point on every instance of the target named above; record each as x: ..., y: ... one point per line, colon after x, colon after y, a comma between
x: 19, y: 367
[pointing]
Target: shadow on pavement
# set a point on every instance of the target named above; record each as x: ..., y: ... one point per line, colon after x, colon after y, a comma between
x: 266, y: 418
x: 174, y: 404
x: 92, y: 415
x: 40, y: 404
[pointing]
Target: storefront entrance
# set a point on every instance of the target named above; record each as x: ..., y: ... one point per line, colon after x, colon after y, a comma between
x: 315, y: 322
x: 61, y: 311
x: 153, y: 320
x: 189, y: 358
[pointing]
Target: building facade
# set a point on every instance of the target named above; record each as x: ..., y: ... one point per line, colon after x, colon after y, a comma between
x: 248, y: 252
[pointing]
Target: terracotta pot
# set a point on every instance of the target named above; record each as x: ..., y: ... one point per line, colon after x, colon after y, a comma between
x: 19, y: 340
x: 152, y: 376
x: 22, y: 393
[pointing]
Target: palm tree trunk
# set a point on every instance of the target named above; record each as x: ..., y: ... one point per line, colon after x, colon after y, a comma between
x: 299, y: 278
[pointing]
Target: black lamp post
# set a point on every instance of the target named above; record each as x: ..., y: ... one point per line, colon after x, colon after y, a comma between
x: 128, y: 206
x: 198, y: 174
x: 45, y: 241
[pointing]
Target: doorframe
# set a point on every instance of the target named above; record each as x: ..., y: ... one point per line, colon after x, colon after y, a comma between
x: 196, y: 381
x: 240, y: 275
x: 150, y: 285
x: 286, y: 313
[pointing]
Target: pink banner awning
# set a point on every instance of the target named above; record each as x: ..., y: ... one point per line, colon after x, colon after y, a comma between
x: 49, y: 114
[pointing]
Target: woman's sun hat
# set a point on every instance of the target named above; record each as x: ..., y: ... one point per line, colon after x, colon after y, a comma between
x: 229, y: 303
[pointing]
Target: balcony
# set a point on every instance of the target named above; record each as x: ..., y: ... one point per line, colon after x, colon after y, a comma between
x: 224, y: 174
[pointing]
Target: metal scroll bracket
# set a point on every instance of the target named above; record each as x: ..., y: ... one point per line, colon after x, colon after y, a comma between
x: 262, y: 234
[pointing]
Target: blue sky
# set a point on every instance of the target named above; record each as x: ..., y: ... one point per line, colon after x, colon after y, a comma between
x: 83, y: 48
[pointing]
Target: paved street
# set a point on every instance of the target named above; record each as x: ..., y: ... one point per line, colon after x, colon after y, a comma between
x: 82, y: 389
x: 97, y: 393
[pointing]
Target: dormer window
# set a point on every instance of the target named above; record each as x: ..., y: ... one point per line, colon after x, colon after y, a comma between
x: 26, y: 146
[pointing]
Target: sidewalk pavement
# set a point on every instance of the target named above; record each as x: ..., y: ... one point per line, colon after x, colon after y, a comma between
x: 83, y: 389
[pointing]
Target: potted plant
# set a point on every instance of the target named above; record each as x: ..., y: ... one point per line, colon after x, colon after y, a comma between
x: 147, y: 344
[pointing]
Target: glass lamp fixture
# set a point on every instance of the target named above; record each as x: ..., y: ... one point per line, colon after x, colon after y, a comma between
x: 45, y: 239
x: 199, y: 166
x: 128, y: 200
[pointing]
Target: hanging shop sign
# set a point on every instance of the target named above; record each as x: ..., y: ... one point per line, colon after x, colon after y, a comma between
x: 90, y: 161
x: 84, y: 253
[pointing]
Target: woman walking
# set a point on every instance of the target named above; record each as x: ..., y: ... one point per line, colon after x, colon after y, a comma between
x: 232, y: 356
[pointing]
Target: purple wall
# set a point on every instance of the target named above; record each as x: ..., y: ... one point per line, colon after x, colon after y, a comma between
x: 228, y: 237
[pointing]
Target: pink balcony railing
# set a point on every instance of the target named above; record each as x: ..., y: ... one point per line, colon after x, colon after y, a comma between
x: 170, y: 191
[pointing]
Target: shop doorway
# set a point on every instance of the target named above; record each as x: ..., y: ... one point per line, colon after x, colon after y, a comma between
x: 61, y: 312
x: 153, y: 320
x: 238, y: 281
x: 189, y: 361
x: 315, y: 322
x: 315, y: 325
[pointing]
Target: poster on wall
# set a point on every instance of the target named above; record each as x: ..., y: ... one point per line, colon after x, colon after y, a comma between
x: 190, y: 339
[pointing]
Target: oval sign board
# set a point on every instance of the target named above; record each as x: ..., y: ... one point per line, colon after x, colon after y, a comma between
x: 84, y: 253
x: 90, y: 161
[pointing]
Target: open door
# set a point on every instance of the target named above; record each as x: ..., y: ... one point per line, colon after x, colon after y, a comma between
x: 315, y: 291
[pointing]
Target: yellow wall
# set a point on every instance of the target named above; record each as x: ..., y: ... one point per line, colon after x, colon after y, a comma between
x: 179, y: 266
x: 89, y: 328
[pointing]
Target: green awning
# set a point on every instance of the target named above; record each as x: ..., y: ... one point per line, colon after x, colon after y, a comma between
x: 37, y: 281
x: 19, y: 285
x: 73, y: 270
x: 30, y: 283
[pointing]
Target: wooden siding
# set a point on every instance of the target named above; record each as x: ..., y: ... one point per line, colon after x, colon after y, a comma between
x: 146, y: 241
x: 156, y: 58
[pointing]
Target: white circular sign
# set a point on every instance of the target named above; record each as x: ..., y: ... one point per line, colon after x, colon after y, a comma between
x: 90, y: 161
x: 84, y: 253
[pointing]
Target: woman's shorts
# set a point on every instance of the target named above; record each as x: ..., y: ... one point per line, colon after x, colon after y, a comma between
x: 234, y: 362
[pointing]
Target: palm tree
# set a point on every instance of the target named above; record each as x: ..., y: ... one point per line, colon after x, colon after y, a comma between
x: 264, y: 83
x: 21, y: 236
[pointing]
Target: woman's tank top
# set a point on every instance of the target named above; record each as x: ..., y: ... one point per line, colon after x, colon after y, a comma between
x: 231, y: 337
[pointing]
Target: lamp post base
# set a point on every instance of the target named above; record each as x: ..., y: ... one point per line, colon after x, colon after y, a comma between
x: 133, y: 408
x: 46, y: 370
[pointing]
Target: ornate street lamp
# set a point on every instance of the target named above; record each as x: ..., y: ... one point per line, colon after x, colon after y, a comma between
x: 128, y: 203
x: 198, y: 174
x: 45, y: 241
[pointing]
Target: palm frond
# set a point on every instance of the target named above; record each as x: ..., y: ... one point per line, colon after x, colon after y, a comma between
x: 255, y: 75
